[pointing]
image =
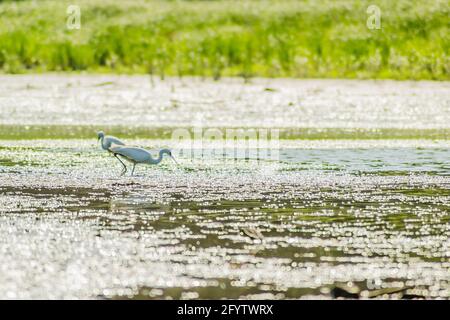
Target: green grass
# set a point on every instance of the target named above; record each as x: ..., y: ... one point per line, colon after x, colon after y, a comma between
x: 321, y: 38
x: 19, y: 132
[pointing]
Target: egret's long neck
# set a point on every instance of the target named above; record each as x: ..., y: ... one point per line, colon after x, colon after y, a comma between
x: 152, y: 160
x: 160, y: 157
x: 101, y: 142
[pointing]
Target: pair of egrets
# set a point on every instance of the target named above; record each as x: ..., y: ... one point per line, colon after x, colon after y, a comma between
x: 134, y: 155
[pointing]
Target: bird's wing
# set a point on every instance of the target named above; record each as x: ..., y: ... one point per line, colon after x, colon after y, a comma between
x: 113, y: 140
x: 132, y: 153
x: 113, y: 145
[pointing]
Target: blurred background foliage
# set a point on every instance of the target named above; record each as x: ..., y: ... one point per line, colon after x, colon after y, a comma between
x: 317, y: 38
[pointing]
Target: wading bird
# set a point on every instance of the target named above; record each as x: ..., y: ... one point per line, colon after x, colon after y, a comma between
x: 137, y: 155
x: 108, y: 141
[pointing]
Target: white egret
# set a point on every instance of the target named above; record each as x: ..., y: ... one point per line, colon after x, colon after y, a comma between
x: 137, y: 155
x: 108, y: 141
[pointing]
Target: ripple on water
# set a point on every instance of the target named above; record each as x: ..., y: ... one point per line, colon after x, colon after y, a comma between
x: 70, y: 227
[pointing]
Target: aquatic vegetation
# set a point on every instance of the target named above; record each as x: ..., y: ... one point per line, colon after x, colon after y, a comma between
x: 165, y: 232
x: 75, y: 107
x: 220, y: 38
x: 357, y: 203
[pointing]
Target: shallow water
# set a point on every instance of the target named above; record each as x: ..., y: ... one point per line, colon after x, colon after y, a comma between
x: 140, y: 101
x: 374, y: 212
x: 71, y: 227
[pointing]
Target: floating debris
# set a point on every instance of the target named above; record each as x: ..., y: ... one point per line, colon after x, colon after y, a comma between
x: 349, y: 291
x: 253, y: 233
x: 383, y: 291
x: 352, y: 291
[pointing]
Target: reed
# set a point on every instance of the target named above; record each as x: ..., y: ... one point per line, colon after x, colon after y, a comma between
x: 320, y: 38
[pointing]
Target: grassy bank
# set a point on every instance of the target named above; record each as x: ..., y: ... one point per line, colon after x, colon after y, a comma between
x: 320, y: 38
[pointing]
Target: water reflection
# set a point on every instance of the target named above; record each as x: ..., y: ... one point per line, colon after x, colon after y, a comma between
x: 326, y: 216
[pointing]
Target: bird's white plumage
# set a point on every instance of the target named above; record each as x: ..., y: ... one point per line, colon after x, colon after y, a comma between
x: 133, y: 154
x: 109, y: 141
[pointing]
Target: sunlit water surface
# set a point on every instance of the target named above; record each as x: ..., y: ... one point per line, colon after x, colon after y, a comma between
x: 330, y: 212
x: 370, y: 212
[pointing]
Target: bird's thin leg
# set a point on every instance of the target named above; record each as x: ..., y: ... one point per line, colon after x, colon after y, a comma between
x: 134, y: 165
x: 124, y: 166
